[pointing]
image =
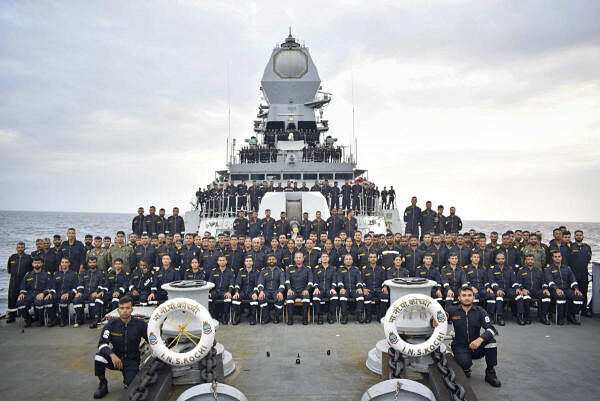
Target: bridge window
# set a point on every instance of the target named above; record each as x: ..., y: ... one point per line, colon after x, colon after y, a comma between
x: 310, y: 176
x: 292, y: 176
x: 325, y: 176
x: 344, y: 176
x: 273, y: 177
x: 239, y: 177
x: 258, y: 177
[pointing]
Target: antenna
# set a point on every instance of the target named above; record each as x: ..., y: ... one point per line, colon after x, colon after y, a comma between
x: 353, y: 124
x: 228, y: 117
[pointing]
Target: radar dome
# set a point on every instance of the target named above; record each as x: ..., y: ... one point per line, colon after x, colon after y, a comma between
x: 290, y: 64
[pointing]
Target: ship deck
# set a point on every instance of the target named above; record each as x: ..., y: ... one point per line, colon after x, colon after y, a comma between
x: 536, y: 362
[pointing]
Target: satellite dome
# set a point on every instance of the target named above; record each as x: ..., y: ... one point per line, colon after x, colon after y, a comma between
x: 291, y: 63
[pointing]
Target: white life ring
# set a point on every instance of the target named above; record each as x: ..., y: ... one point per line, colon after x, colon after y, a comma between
x: 203, y: 344
x: 410, y: 301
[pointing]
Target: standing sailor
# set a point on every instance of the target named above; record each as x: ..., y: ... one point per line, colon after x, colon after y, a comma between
x: 175, y: 223
x: 137, y: 224
x: 412, y: 217
x: 18, y: 265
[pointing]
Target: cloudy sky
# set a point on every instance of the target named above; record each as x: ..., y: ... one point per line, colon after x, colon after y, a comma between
x: 492, y: 106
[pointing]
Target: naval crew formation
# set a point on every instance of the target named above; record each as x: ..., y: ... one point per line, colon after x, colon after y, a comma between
x: 229, y: 199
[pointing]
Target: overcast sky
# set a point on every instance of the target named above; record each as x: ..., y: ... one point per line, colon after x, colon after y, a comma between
x: 493, y: 107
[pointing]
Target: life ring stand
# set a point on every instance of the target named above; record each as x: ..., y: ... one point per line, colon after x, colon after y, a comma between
x: 409, y: 302
x: 168, y: 352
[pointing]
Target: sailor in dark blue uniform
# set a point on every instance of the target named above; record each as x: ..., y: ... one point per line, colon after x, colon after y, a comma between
x: 151, y: 222
x: 427, y: 220
x: 298, y: 282
x: 137, y: 224
x: 74, y: 251
x: 175, y: 223
x: 389, y: 252
x: 503, y: 282
x: 224, y: 280
x: 271, y: 287
x: 34, y: 288
x: 453, y: 223
x: 245, y: 289
x: 145, y: 251
x: 373, y: 276
x: 325, y: 284
x: 580, y: 256
x: 412, y: 217
x: 63, y: 289
x: 166, y: 274
x: 334, y: 194
x: 195, y: 272
x: 115, y: 284
x: 268, y: 226
x: 346, y: 194
x: 90, y: 283
x: 140, y: 284
x: 186, y: 253
x: 240, y: 224
x: 512, y: 255
x: 469, y: 342
x: 533, y: 286
x: 168, y: 248
x: 241, y: 195
x: 430, y: 272
x: 124, y: 335
x: 564, y: 288
x: 477, y: 278
x: 350, y: 286
x: 396, y: 270
x: 453, y: 278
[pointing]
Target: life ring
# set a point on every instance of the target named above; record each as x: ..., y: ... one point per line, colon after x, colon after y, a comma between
x: 202, y: 344
x: 411, y: 301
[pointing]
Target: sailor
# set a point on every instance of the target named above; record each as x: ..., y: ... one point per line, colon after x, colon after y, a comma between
x: 579, y: 259
x: 477, y: 278
x: 324, y: 292
x: 175, y: 223
x: 34, y: 287
x: 374, y: 291
x: 533, y: 286
x: 350, y: 286
x: 453, y: 278
x: 334, y: 194
x: 124, y: 335
x: 389, y: 252
x: 254, y: 225
x: 268, y: 226
x: 241, y: 195
x: 240, y: 224
x: 350, y: 224
x: 503, y: 282
x: 89, y: 285
x: 245, y: 289
x: 312, y: 256
x: 493, y: 245
x: 439, y: 221
x: 427, y: 220
x: 167, y: 274
x: 333, y: 223
x: 430, y: 272
x: 349, y: 249
x: 346, y: 194
x: 98, y: 252
x: 168, y: 248
x: 282, y: 226
x: 305, y: 226
x: 534, y: 249
x: 485, y: 255
x: 186, y: 253
x: 391, y: 198
x: 356, y: 194
x: 74, y: 251
x: 137, y: 224
x: 453, y: 222
x: 319, y: 226
x: 512, y: 255
x: 298, y: 282
x: 564, y: 288
x: 145, y: 251
x: 413, y: 256
x: 231, y: 202
x: 271, y: 286
x: 469, y: 342
x: 412, y: 217
x: 210, y: 255
x: 121, y: 251
x: 18, y: 265
x: 140, y: 284
x: 87, y: 244
x: 38, y: 248
x: 63, y: 288
x: 461, y: 250
x: 236, y: 258
x: 224, y: 280
x: 254, y: 193
x: 195, y: 272
x: 116, y: 284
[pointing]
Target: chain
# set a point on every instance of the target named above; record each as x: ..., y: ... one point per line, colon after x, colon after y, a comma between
x: 457, y: 390
x: 213, y: 387
x: 398, y: 388
x: 396, y: 363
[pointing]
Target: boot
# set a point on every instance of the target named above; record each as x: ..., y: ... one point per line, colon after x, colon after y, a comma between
x: 102, y: 389
x: 527, y: 319
x: 368, y: 317
x: 94, y: 322
x: 587, y: 312
x: 344, y: 318
x: 330, y: 318
x: 320, y: 318
x: 290, y: 314
x: 79, y: 316
x: 276, y: 318
x: 64, y: 317
x: 500, y: 320
x: 39, y: 316
x: 265, y: 315
x: 252, y: 315
x: 490, y: 377
x: 52, y: 319
x: 574, y: 318
x: 235, y: 315
x: 360, y: 318
x: 11, y: 317
x: 26, y: 318
x: 520, y: 319
x: 544, y: 319
x: 561, y: 320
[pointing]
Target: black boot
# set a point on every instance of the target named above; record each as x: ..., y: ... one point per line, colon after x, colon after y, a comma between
x: 64, y: 317
x: 276, y: 318
x: 561, y: 320
x: 51, y: 319
x: 26, y: 318
x: 544, y: 319
x: 252, y: 315
x: 527, y: 319
x: 490, y: 377
x: 368, y: 317
x: 305, y: 316
x: 94, y: 322
x: 79, y: 316
x: 330, y: 318
x: 235, y: 315
x: 10, y: 317
x: 290, y: 314
x: 39, y: 316
x: 265, y: 315
x: 520, y: 320
x: 500, y: 320
x: 344, y: 318
x: 102, y: 389
x: 574, y: 318
x: 587, y: 312
x: 360, y: 318
x: 320, y: 318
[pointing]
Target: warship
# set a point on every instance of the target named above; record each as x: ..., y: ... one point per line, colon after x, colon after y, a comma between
x: 312, y: 362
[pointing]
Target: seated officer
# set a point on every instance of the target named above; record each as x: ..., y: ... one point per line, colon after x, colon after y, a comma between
x: 397, y: 270
x: 533, y: 285
x: 298, y: 282
x: 62, y: 291
x: 90, y: 284
x: 167, y: 274
x: 428, y: 271
x: 324, y: 284
x: 140, y: 285
x: 503, y: 283
x: 350, y: 285
x: 453, y: 278
x: 245, y: 290
x: 271, y: 286
x: 195, y: 272
x: 469, y: 343
x: 116, y: 284
x: 373, y: 277
x: 124, y: 334
x: 564, y: 288
x: 477, y: 278
x: 34, y: 287
x: 224, y: 280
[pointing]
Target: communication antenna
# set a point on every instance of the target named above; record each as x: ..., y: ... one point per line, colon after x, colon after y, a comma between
x: 227, y: 155
x: 353, y: 124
